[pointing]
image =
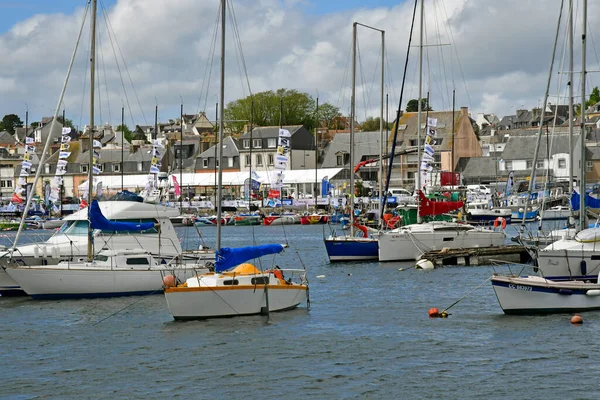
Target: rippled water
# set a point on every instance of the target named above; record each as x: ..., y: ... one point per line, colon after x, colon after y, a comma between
x: 367, y: 336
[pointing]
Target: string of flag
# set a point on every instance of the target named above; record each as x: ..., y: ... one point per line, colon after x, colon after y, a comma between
x: 61, y: 165
x: 281, y: 158
x: 25, y: 169
x: 428, y: 151
x: 155, y: 164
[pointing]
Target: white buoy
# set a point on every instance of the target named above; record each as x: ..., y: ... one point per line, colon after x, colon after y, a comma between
x: 320, y: 276
x: 593, y: 292
x: 424, y: 264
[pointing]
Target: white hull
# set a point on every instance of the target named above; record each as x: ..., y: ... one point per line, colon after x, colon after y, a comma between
x: 8, y: 286
x: 536, y: 295
x: 230, y: 301
x: 410, y: 242
x: 90, y: 281
x: 562, y: 259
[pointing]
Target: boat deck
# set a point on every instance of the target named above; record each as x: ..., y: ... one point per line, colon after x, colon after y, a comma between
x: 478, y: 255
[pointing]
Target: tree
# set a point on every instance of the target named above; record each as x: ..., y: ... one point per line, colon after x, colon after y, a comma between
x: 594, y: 97
x: 67, y: 123
x: 298, y: 109
x: 10, y: 122
x: 371, y: 124
x: 34, y: 124
x: 413, y: 105
x: 328, y: 113
x: 127, y: 133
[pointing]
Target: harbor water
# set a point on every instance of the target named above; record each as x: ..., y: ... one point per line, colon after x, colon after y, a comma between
x: 367, y: 335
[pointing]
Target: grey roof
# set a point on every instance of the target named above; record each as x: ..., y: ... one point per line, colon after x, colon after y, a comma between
x: 7, y: 138
x: 592, y: 153
x: 366, y: 144
x: 523, y: 147
x: 269, y: 131
x: 507, y: 121
x: 230, y: 148
x: 478, y: 167
x: 143, y: 153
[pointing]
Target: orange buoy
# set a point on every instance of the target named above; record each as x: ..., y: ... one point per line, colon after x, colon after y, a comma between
x: 434, y: 312
x: 576, y: 319
x: 169, y: 281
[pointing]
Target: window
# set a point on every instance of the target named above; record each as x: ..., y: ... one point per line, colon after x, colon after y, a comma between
x: 6, y: 183
x: 246, y: 143
x: 261, y: 280
x: 117, y: 167
x: 340, y: 160
x: 539, y: 164
x: 272, y: 143
x: 84, y: 168
x: 589, y: 166
x: 248, y: 159
x: 100, y: 167
x: 205, y: 163
x: 137, y: 261
x: 415, y: 142
x: 217, y: 163
x: 529, y: 164
x: 508, y: 165
x: 257, y: 143
x: 46, y: 168
x: 231, y: 282
x: 270, y: 159
x: 562, y: 163
x: 259, y: 160
x: 140, y: 166
x: 230, y: 162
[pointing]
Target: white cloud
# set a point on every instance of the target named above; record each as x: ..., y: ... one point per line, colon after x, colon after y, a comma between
x: 503, y: 47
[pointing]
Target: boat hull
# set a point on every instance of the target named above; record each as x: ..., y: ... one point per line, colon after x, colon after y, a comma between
x: 231, y: 301
x: 351, y: 249
x: 404, y: 244
x: 8, y: 286
x: 537, y: 296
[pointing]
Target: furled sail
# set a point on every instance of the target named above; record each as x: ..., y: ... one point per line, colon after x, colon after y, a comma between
x: 99, y: 221
x: 228, y: 257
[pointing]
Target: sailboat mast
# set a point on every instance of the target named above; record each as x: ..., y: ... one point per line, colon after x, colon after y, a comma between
x: 571, y: 110
x: 181, y: 162
x: 582, y: 192
x: 380, y: 188
x: 352, y: 111
x: 419, y: 110
x: 221, y: 125
x: 91, y: 131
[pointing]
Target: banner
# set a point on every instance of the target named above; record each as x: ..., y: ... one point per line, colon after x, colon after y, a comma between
x: 428, y: 158
x: 24, y: 173
x: 155, y: 165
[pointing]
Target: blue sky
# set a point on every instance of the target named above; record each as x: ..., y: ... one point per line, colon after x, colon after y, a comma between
x: 13, y: 11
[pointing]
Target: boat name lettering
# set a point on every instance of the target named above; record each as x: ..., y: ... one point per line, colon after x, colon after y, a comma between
x: 519, y: 287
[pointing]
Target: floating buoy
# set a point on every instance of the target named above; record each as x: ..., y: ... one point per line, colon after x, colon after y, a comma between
x: 424, y: 264
x: 443, y: 314
x: 349, y: 274
x: 593, y: 292
x: 320, y: 276
x: 434, y: 312
x: 169, y: 281
x: 576, y: 319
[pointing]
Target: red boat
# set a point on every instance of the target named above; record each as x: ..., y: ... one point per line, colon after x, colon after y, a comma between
x: 313, y: 219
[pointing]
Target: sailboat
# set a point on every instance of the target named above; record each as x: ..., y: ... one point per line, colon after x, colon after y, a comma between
x: 409, y: 242
x: 122, y: 267
x: 363, y: 247
x: 235, y: 287
x: 569, y: 268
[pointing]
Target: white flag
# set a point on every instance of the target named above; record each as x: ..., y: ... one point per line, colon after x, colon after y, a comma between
x: 284, y: 133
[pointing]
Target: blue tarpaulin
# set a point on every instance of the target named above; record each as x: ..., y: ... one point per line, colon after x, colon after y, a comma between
x: 228, y: 257
x: 590, y: 201
x: 99, y: 221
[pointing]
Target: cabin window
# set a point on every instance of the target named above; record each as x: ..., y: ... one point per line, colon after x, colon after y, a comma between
x: 137, y: 261
x: 262, y: 280
x: 100, y: 257
x: 205, y: 163
x: 76, y: 228
x: 562, y: 163
x: 272, y: 143
x: 231, y: 282
x: 257, y: 143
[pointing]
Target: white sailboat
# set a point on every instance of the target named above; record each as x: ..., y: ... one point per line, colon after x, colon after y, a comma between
x: 235, y: 287
x: 569, y: 267
x: 411, y: 241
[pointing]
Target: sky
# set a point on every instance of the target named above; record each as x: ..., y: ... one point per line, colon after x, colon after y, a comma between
x: 494, y: 54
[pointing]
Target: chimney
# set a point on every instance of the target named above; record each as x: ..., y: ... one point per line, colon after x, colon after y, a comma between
x: 464, y: 111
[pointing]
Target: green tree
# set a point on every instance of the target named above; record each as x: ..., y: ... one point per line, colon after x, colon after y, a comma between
x: 413, y: 105
x: 371, y: 124
x: 298, y: 109
x: 328, y: 113
x: 34, y: 125
x: 10, y: 122
x: 127, y: 133
x: 68, y: 123
x: 594, y: 97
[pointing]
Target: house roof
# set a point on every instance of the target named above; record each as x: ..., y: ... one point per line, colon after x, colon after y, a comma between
x: 7, y: 138
x: 366, y: 144
x: 263, y: 132
x: 523, y: 147
x: 230, y: 149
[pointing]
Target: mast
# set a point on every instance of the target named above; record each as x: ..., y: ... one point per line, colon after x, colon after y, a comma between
x: 122, y: 142
x: 90, y: 250
x: 352, y: 105
x: 453, y: 107
x: 316, y: 188
x: 181, y: 161
x: 380, y: 188
x: 582, y: 211
x: 571, y: 110
x: 419, y: 110
x: 250, y: 166
x: 216, y: 142
x: 221, y: 124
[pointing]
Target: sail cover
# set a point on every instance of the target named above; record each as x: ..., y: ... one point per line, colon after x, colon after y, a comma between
x: 590, y: 201
x: 99, y: 221
x: 228, y: 257
x: 431, y: 207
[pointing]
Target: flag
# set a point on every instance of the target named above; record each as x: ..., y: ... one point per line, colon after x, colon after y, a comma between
x: 96, y: 170
x: 27, y: 157
x: 176, y: 184
x: 510, y: 182
x: 65, y: 139
x: 97, y: 144
x: 284, y: 133
x: 432, y: 121
x: 64, y: 147
x: 64, y: 154
x: 255, y: 175
x: 429, y: 150
x: 16, y: 199
x: 66, y: 130
x: 154, y: 169
x: 62, y: 163
x: 26, y: 164
x: 29, y: 140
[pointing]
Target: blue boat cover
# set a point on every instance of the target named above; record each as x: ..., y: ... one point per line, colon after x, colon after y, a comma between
x: 99, y: 221
x: 228, y: 257
x: 590, y: 201
x: 126, y: 195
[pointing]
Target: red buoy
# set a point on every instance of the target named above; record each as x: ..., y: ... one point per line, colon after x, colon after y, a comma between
x: 434, y: 312
x: 169, y: 281
x: 576, y: 319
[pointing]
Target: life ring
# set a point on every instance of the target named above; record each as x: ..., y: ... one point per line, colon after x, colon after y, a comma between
x: 500, y: 221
